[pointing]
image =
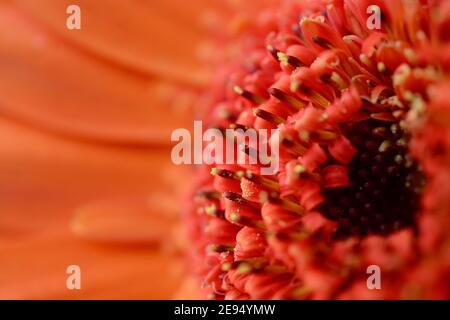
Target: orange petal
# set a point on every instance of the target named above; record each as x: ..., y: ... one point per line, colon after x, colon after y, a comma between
x: 123, y: 220
x: 49, y: 84
x: 44, y: 178
x: 189, y: 290
x: 36, y: 269
x: 148, y: 36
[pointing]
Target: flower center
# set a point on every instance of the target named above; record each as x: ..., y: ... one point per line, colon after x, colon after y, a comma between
x: 385, y: 183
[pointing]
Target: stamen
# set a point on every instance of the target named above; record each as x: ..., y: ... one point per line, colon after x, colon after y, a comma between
x: 220, y: 248
x: 213, y: 211
x: 324, y: 43
x: 249, y: 95
x: 284, y: 203
x: 227, y: 174
x: 274, y: 52
x: 268, y: 116
x: 210, y: 195
x: 293, y: 146
x: 265, y: 182
x: 239, y: 199
x: 280, y: 95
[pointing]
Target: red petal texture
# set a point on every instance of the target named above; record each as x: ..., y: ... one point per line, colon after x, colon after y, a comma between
x: 354, y: 108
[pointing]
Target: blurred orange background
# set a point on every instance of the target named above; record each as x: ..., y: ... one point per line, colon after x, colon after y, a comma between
x: 85, y: 122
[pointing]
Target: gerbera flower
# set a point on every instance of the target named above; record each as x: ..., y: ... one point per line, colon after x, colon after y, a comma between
x: 363, y: 120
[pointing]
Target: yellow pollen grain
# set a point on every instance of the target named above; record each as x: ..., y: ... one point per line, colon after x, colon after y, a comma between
x: 283, y: 58
x: 320, y: 19
x: 418, y: 104
x: 299, y: 168
x: 402, y: 124
x: 384, y: 146
x: 304, y: 135
x: 381, y: 67
x: 226, y: 266
x: 409, y: 54
x: 402, y: 73
x: 364, y: 59
x: 213, y: 248
x: 224, y: 114
x: 401, y: 142
x: 235, y: 217
x: 421, y: 35
x: 409, y: 95
x: 336, y: 78
x: 294, y: 85
x: 324, y: 116
x: 238, y: 90
x: 304, y: 20
x: 210, y: 210
x: 244, y: 268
